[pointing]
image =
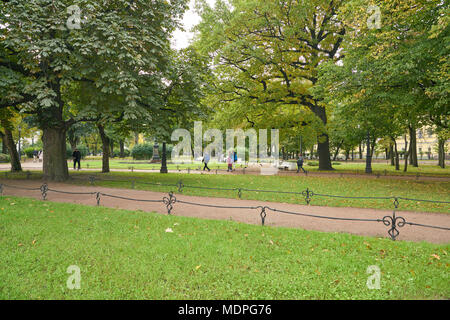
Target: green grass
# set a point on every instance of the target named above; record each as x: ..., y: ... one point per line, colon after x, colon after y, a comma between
x: 128, y: 255
x: 346, y: 186
x: 427, y: 190
x: 429, y: 169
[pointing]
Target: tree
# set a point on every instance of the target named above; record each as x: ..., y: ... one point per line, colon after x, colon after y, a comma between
x: 6, y: 122
x: 43, y: 52
x: 391, y: 73
x: 266, y: 56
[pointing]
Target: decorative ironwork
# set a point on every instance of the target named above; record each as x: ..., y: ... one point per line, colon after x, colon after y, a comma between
x: 180, y: 186
x: 91, y: 179
x: 44, y: 190
x: 169, y: 201
x: 263, y: 215
x: 395, y: 203
x: 308, y: 195
x: 393, y: 222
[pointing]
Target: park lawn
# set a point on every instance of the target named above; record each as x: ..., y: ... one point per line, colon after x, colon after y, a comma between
x: 346, y: 186
x: 129, y: 255
x: 146, y: 165
x: 431, y: 169
x: 341, y: 167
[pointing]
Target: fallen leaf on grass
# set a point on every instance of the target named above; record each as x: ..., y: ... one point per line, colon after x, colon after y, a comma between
x: 33, y: 242
x: 169, y: 230
x: 198, y: 267
x: 435, y: 256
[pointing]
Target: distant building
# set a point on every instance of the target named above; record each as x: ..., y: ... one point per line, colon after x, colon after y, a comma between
x: 426, y: 144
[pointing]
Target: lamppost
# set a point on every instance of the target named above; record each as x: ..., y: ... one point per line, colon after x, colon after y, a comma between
x: 163, y: 160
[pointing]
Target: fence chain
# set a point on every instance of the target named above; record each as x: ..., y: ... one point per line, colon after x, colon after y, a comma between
x: 393, y: 221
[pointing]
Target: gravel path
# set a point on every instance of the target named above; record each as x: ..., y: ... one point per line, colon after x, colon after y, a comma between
x: 251, y: 216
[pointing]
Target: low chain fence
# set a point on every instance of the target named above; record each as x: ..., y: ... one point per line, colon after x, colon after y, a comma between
x: 243, y: 169
x: 392, y: 222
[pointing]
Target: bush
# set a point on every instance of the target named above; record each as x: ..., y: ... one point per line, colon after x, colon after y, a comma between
x: 4, y: 158
x: 82, y: 148
x: 336, y: 163
x: 145, y: 151
x: 29, y: 151
x: 142, y: 151
x: 313, y: 163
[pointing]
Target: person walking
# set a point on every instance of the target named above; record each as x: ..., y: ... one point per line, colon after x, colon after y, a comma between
x: 41, y: 156
x: 300, y: 164
x: 76, y: 158
x: 230, y: 162
x: 206, y: 159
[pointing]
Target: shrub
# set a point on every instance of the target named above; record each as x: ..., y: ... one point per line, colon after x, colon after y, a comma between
x: 82, y: 148
x: 313, y: 163
x: 4, y: 158
x: 29, y: 151
x: 142, y: 151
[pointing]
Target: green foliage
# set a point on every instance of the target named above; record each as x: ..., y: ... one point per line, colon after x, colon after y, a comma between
x: 142, y: 151
x: 82, y: 148
x: 4, y: 158
x: 29, y: 151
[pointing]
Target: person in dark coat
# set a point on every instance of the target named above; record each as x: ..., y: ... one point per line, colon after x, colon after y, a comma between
x: 300, y: 164
x: 76, y: 158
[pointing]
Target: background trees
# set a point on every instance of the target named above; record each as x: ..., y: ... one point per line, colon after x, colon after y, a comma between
x: 266, y: 56
x: 115, y: 43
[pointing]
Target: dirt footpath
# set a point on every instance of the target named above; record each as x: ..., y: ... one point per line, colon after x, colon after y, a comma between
x: 251, y: 216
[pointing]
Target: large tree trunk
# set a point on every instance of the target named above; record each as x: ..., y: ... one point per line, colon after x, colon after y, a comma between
x: 406, y: 154
x: 122, y: 149
x: 11, y: 146
x: 441, y: 153
x: 323, y: 141
x: 391, y: 154
x: 106, y: 146
x: 413, y: 146
x: 4, y: 146
x: 337, y: 150
x: 396, y: 156
x: 55, y: 154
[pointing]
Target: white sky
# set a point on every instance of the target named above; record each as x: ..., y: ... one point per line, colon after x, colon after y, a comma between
x: 180, y: 38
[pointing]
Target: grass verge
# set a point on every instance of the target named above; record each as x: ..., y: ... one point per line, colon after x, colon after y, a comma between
x: 129, y: 255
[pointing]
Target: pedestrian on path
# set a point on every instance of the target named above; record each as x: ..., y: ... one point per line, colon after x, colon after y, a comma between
x: 230, y: 162
x: 76, y: 158
x: 206, y: 159
x: 300, y: 164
